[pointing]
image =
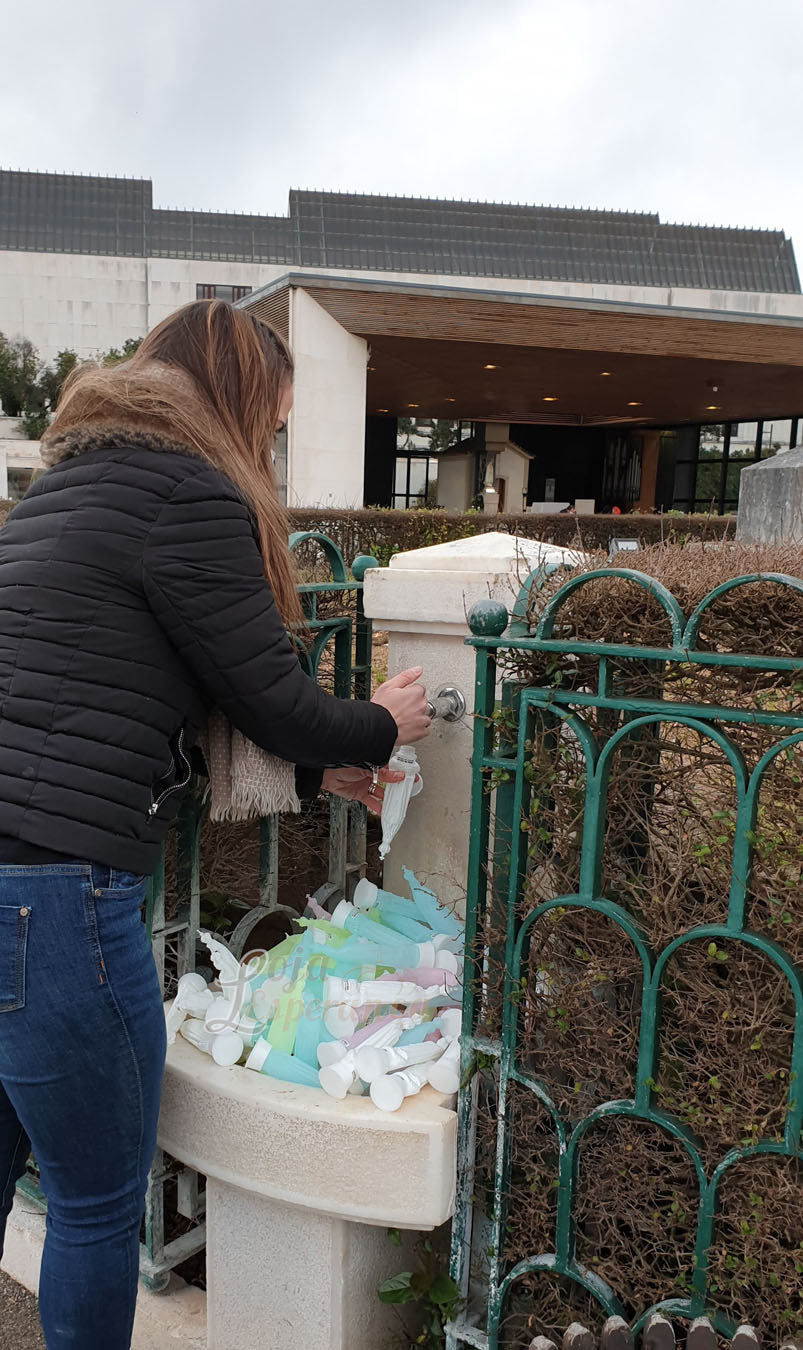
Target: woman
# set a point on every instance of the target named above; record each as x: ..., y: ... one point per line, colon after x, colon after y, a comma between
x: 144, y: 580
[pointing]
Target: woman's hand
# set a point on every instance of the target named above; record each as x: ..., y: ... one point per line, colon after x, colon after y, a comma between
x: 360, y: 785
x: 406, y: 702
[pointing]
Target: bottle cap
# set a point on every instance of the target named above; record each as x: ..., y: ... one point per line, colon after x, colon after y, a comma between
x: 365, y: 894
x: 259, y: 1054
x: 371, y: 1062
x: 341, y: 912
x: 329, y: 1052
x: 404, y: 759
x: 336, y: 1079
x: 451, y: 1020
x: 387, y: 1092
x: 227, y: 1049
x: 445, y: 1076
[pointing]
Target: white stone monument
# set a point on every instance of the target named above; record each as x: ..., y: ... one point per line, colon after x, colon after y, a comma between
x: 771, y: 500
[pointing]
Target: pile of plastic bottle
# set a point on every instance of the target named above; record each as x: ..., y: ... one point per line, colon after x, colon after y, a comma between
x: 363, y: 1000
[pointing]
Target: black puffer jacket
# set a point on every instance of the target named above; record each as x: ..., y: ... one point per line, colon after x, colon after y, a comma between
x: 132, y: 600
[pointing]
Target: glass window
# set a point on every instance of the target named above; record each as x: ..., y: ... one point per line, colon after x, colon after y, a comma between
x: 19, y: 480
x: 413, y: 477
x: 418, y: 476
x: 212, y: 291
x: 775, y: 436
x: 280, y: 465
x: 743, y: 440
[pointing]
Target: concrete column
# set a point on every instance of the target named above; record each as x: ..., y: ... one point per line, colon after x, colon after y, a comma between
x: 281, y: 1276
x: 326, y: 430
x: 771, y: 500
x: 649, y: 469
x: 422, y: 600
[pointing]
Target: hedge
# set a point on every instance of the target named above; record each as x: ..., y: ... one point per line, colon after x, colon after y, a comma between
x: 382, y: 533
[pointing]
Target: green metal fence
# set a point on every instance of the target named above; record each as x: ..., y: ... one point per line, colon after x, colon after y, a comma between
x: 337, y: 647
x: 600, y: 717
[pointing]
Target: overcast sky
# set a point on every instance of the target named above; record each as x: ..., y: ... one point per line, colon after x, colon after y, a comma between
x: 691, y: 108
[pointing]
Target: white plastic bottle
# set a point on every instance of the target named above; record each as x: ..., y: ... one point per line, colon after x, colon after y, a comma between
x: 389, y: 1091
x: 444, y: 1074
x: 192, y: 1000
x: 225, y: 1049
x: 397, y: 795
x: 372, y: 1061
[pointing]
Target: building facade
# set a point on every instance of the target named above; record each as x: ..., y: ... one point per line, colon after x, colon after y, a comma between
x: 86, y: 263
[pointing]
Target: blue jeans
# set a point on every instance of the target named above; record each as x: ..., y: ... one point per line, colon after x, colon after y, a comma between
x: 82, y: 1046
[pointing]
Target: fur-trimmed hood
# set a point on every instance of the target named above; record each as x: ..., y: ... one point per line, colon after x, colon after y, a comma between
x: 82, y: 440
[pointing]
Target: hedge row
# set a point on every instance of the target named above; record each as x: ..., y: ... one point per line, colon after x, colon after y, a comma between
x: 383, y: 533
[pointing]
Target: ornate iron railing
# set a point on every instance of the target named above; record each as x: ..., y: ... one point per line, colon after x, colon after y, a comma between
x: 503, y: 916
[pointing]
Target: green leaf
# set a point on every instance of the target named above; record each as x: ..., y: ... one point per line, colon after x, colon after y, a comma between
x: 444, y: 1290
x: 394, y: 1237
x: 397, y: 1289
x: 420, y: 1283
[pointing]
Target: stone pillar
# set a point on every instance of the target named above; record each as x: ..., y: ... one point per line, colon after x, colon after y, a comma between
x: 771, y: 500
x: 649, y: 469
x: 285, y: 1277
x: 326, y: 429
x: 422, y: 600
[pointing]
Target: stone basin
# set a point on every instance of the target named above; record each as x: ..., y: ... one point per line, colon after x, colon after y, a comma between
x: 300, y: 1188
x: 297, y: 1145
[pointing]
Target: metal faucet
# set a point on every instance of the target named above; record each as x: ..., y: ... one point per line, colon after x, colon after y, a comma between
x: 449, y: 704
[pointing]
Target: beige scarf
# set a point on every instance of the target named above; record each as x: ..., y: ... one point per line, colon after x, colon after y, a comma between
x: 245, y: 781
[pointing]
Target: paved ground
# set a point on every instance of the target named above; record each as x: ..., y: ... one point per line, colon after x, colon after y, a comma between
x: 19, y: 1323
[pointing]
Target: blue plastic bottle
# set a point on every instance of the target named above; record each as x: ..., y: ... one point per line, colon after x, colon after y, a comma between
x: 405, y: 952
x: 430, y: 911
x: 310, y: 1029
x: 406, y: 923
x: 418, y: 1034
x: 279, y: 1064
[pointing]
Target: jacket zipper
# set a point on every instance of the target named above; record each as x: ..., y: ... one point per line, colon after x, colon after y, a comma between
x: 154, y: 807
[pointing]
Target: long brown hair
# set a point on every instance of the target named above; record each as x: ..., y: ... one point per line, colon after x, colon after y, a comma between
x: 209, y: 377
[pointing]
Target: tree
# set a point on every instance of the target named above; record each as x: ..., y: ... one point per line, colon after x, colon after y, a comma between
x: 30, y: 390
x: 442, y: 434
x: 20, y: 367
x: 116, y: 354
x: 51, y: 381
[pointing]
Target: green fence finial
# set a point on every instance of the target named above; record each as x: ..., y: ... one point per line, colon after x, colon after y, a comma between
x: 488, y: 618
x: 362, y: 564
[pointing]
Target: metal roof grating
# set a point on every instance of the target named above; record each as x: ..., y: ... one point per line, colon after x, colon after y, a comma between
x: 72, y: 213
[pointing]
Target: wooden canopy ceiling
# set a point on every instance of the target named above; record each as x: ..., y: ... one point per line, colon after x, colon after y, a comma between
x: 439, y: 352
